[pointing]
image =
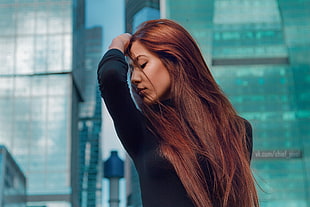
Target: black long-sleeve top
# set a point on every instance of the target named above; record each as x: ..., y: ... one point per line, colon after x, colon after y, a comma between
x: 159, y: 183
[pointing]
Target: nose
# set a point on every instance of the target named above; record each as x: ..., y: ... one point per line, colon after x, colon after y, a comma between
x: 136, y: 77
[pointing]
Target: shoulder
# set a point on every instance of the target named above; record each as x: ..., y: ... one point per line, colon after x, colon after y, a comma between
x: 249, y: 136
x: 248, y: 127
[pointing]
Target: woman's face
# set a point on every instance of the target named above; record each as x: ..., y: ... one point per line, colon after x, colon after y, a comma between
x: 149, y: 76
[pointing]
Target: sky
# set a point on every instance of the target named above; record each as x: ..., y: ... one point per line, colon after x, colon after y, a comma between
x: 109, y: 14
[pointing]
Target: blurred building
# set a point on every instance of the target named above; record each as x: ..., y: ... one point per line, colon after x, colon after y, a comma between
x: 41, y: 85
x: 137, y: 11
x: 258, y: 51
x: 90, y: 124
x: 12, y: 181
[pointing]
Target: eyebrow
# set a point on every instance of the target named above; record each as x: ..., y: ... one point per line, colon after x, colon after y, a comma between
x: 137, y: 58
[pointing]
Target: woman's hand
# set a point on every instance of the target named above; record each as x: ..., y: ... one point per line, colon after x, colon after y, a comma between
x: 120, y: 42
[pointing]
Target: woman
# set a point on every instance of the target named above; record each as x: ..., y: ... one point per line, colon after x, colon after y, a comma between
x: 188, y: 144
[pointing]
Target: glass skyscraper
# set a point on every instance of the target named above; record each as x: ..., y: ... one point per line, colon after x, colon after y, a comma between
x: 138, y: 11
x: 90, y: 124
x: 41, y: 84
x: 12, y: 181
x: 258, y: 51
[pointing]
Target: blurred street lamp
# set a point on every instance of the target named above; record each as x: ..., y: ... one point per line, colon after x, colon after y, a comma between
x: 114, y: 171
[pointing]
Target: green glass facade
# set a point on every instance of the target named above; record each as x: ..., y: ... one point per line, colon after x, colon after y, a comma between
x: 258, y: 51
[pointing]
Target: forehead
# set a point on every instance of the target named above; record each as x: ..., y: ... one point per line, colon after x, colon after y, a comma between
x: 137, y: 50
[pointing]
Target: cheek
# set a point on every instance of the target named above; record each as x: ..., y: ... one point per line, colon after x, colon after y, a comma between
x: 159, y: 77
x: 164, y: 83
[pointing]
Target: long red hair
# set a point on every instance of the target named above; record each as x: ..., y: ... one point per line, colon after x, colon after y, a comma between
x: 202, y: 135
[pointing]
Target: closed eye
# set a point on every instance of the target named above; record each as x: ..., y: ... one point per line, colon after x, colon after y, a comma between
x: 143, y: 65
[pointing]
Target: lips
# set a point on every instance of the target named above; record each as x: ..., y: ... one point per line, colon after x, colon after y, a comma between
x: 141, y: 91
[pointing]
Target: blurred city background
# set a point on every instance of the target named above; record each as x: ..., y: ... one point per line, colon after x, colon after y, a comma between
x: 56, y: 136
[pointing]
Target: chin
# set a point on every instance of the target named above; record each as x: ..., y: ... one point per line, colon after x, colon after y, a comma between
x: 149, y: 101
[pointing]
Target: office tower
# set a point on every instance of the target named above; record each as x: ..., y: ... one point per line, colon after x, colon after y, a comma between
x: 90, y: 123
x: 258, y: 52
x: 138, y: 11
x: 42, y: 61
x: 12, y: 181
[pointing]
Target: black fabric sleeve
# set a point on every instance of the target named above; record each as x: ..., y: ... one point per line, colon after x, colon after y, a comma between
x: 128, y: 120
x: 249, y: 135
